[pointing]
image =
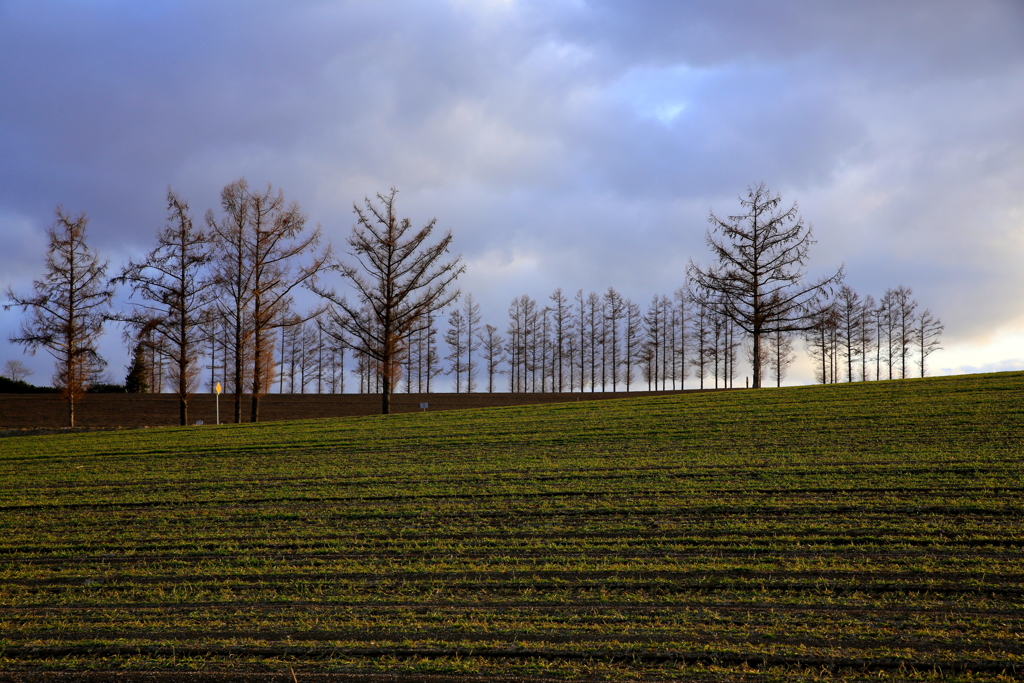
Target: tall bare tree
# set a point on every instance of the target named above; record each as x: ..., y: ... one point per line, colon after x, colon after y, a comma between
x: 927, y: 331
x: 867, y: 337
x: 680, y: 339
x: 67, y: 308
x: 903, y: 317
x: 431, y: 358
x: 399, y: 277
x: 233, y: 275
x: 542, y: 354
x: 631, y: 340
x: 702, y: 317
x: 174, y: 292
x: 257, y: 242
x: 514, y: 345
x: 654, y: 321
x: 471, y: 314
x: 561, y: 319
x: 494, y: 354
x: 780, y: 355
x: 455, y: 338
x: 880, y: 317
x: 849, y: 316
x: 758, y: 278
x: 593, y: 320
x: 822, y: 340
x: 614, y: 314
x: 580, y: 318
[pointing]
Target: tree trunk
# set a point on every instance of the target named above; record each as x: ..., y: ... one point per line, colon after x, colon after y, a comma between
x: 385, y: 395
x: 183, y: 385
x: 757, y: 360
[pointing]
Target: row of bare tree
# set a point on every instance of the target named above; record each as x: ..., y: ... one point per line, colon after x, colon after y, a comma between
x: 223, y: 292
x: 854, y: 333
x: 226, y: 287
x: 607, y: 342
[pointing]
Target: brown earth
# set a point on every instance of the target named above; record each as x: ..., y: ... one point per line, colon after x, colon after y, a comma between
x: 128, y: 411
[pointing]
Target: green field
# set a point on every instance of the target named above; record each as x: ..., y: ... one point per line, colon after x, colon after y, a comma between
x: 848, y: 532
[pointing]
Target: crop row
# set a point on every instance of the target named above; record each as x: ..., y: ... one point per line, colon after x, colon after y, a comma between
x: 849, y: 532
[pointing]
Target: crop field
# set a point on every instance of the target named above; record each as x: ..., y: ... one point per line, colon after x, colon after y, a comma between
x: 847, y: 532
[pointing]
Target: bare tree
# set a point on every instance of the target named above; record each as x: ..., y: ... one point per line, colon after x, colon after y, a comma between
x: 520, y: 330
x: 561, y: 320
x: 493, y: 352
x: 594, y: 321
x: 310, y: 356
x: 173, y: 293
x: 702, y: 348
x: 455, y: 338
x: 67, y: 308
x: 542, y: 349
x: 631, y: 340
x: 15, y: 370
x: 680, y: 340
x: 718, y: 325
x: 400, y: 278
x: 233, y: 276
x: 513, y: 345
x: 849, y: 319
x: 758, y: 279
x: 615, y: 313
x: 730, y: 348
x: 337, y: 343
x: 903, y: 321
x: 927, y: 331
x: 471, y: 315
x: 822, y: 342
x: 867, y: 338
x: 780, y: 355
x: 432, y: 360
x: 582, y: 346
x: 880, y: 317
x: 653, y: 342
x: 256, y: 243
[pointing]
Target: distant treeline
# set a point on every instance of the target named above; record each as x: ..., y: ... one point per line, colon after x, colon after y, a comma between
x: 10, y: 386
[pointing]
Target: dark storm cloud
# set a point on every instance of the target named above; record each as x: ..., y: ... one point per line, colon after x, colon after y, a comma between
x: 573, y: 144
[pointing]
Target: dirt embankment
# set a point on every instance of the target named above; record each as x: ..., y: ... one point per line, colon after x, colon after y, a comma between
x: 111, y: 411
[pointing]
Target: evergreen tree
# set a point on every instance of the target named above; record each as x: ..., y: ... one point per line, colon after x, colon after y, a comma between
x: 135, y: 381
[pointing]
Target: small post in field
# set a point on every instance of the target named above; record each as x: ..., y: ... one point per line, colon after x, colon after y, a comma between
x: 217, y: 390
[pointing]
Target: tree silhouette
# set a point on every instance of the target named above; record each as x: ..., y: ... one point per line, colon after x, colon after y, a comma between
x: 67, y: 308
x: 174, y: 294
x: 256, y: 243
x: 399, y: 277
x: 758, y: 278
x: 927, y: 331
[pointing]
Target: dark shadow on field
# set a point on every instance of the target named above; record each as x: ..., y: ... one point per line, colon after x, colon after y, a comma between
x: 231, y: 677
x: 39, y: 412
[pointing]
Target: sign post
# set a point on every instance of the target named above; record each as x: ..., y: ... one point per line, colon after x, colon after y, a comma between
x: 217, y: 389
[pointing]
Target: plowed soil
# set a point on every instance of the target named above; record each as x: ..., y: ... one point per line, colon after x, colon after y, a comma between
x: 132, y: 411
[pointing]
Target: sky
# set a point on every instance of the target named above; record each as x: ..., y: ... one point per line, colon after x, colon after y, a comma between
x: 578, y: 144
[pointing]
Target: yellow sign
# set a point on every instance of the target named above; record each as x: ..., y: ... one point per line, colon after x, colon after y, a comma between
x: 217, y: 388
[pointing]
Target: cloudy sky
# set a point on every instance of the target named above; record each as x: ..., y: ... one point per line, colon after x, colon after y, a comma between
x: 565, y: 143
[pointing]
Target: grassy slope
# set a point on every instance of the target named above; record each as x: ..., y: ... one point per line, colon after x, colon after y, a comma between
x: 836, y: 532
